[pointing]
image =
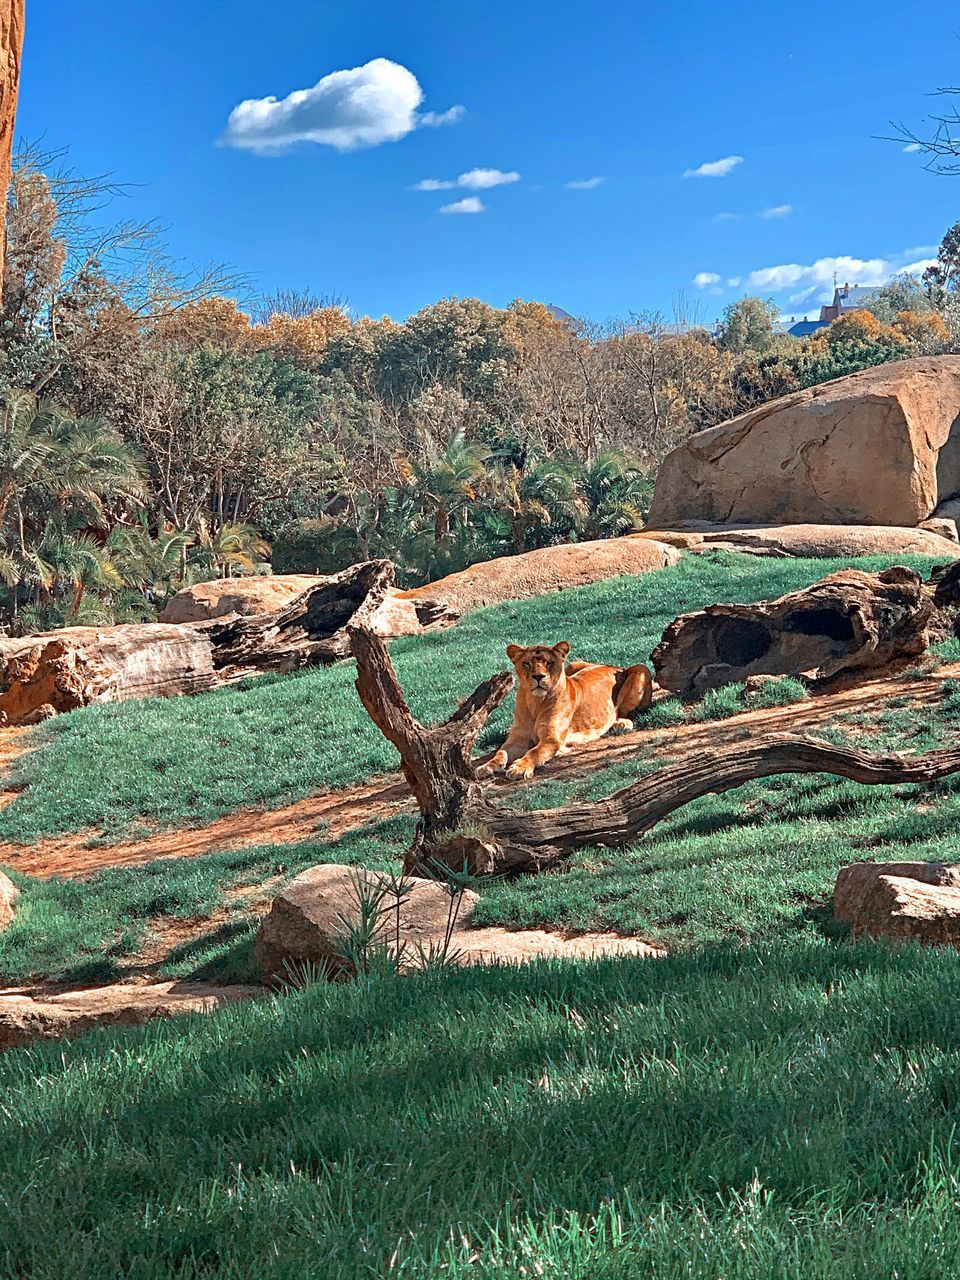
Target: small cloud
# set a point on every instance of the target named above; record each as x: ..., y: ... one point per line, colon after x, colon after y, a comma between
x: 777, y: 211
x: 473, y: 179
x: 714, y: 168
x: 361, y: 107
x: 733, y: 282
x: 437, y: 119
x: 726, y: 217
x: 584, y: 184
x: 913, y: 146
x: 469, y: 204
x: 704, y: 279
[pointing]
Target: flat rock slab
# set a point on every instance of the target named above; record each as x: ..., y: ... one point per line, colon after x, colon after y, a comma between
x: 25, y: 1017
x: 575, y: 564
x: 816, y: 541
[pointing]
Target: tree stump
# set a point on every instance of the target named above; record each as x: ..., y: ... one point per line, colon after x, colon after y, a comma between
x: 848, y: 620
x: 462, y: 829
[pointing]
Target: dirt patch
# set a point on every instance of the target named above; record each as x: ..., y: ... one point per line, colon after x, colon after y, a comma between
x: 338, y: 812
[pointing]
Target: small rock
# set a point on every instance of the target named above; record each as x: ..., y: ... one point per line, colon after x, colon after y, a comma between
x: 8, y: 896
x: 855, y: 882
x: 902, y: 909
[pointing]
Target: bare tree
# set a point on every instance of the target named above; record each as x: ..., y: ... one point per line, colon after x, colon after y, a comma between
x: 942, y: 146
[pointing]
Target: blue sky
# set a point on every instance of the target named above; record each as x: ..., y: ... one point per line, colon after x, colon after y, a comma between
x: 635, y: 94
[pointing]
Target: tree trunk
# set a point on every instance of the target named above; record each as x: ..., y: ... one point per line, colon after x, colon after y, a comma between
x: 847, y: 620
x: 461, y: 827
x: 62, y: 670
x: 11, y: 53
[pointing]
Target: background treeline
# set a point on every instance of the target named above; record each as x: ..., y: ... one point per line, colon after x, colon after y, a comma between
x: 155, y: 432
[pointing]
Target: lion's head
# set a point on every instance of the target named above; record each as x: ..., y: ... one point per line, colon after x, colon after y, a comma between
x: 540, y: 667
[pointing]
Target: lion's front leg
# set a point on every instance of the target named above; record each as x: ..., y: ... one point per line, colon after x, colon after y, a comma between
x: 515, y: 745
x: 531, y: 760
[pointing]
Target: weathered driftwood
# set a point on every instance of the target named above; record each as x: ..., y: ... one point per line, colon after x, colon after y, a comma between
x: 848, y: 620
x: 461, y: 827
x: 61, y: 670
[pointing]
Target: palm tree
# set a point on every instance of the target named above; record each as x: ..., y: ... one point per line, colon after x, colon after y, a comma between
x: 227, y: 549
x: 449, y: 481
x: 616, y: 493
x: 542, y: 503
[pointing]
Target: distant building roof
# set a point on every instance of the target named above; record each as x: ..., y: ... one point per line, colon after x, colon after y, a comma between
x: 563, y: 317
x: 803, y: 328
x: 854, y: 296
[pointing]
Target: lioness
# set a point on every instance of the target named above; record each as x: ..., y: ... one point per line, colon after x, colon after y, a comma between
x: 560, y: 706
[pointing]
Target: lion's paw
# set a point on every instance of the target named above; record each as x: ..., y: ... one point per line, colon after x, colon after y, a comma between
x: 520, y: 770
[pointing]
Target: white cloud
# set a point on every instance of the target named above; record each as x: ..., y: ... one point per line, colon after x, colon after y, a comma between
x: 912, y: 146
x: 362, y: 107
x: 733, y: 282
x: 470, y: 204
x: 714, y: 168
x: 584, y: 184
x: 777, y: 211
x: 814, y: 281
x: 436, y: 119
x: 726, y: 217
x: 474, y: 179
x: 703, y: 279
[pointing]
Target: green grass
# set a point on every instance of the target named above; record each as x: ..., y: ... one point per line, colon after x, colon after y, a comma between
x: 772, y: 1113
x: 113, y: 768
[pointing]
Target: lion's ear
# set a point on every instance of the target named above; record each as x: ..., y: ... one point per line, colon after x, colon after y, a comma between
x: 514, y: 651
x: 563, y: 648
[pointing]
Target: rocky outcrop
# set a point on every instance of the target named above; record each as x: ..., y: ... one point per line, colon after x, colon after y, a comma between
x: 877, y: 447
x: 8, y: 896
x: 26, y: 1016
x: 901, y: 901
x: 244, y: 596
x: 534, y: 573
x: 819, y: 541
x: 306, y: 931
x: 11, y: 52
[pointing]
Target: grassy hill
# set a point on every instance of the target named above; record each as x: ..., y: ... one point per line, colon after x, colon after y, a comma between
x: 769, y: 1101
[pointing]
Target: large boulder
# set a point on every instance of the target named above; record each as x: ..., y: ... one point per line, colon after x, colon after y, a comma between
x: 877, y: 447
x: 819, y: 541
x: 534, y: 573
x: 902, y: 909
x: 8, y: 896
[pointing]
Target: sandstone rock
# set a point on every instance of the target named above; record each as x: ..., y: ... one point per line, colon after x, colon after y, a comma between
x: 25, y: 1017
x: 308, y: 922
x: 8, y: 896
x: 943, y: 527
x: 877, y: 447
x: 949, y: 509
x: 245, y: 596
x: 306, y: 927
x: 534, y: 573
x: 819, y: 541
x: 856, y: 881
x: 900, y: 908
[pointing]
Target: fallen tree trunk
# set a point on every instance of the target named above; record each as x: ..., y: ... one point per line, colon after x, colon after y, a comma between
x: 59, y: 671
x: 848, y: 620
x: 461, y: 828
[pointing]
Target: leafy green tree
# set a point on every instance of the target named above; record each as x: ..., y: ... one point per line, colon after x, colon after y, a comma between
x: 749, y: 324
